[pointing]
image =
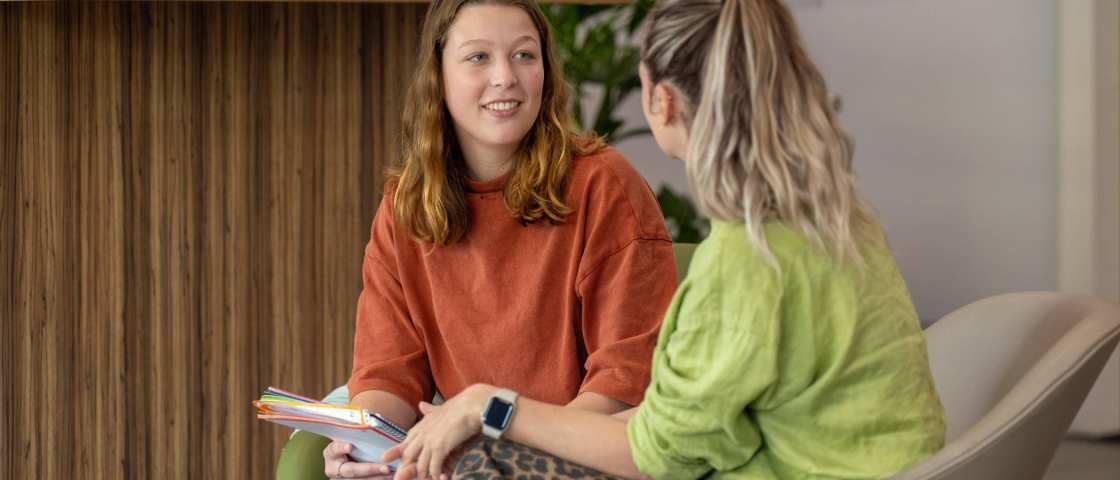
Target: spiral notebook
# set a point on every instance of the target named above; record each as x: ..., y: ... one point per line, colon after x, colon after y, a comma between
x: 369, y: 433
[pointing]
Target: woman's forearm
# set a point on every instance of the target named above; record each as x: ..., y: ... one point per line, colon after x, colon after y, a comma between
x: 595, y: 402
x: 395, y: 408
x: 588, y: 438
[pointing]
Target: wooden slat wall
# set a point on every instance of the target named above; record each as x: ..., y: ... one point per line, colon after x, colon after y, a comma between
x: 185, y: 193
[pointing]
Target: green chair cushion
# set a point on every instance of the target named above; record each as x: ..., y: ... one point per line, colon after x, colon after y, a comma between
x: 302, y: 457
x: 682, y: 253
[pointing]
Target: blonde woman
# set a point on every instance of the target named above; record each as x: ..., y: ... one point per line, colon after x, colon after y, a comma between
x: 507, y: 249
x: 792, y: 349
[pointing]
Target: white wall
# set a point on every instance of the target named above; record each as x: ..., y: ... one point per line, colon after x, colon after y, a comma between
x: 952, y: 104
x: 1088, y: 224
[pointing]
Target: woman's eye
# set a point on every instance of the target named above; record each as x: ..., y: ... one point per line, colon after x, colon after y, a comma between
x: 524, y: 55
x: 478, y: 57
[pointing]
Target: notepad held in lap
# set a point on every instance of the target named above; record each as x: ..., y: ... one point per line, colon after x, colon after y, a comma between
x: 369, y: 433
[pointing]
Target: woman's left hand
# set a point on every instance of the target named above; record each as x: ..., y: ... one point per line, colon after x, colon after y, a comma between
x: 431, y: 441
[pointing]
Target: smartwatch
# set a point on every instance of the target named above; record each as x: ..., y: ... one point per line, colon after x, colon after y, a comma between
x: 498, y: 413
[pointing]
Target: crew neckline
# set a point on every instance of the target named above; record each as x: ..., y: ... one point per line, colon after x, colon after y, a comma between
x: 488, y: 186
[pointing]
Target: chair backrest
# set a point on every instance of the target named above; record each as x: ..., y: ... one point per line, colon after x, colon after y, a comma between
x: 682, y: 253
x: 1012, y: 372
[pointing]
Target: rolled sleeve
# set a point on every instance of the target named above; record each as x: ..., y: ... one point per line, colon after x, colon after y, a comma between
x: 706, y: 374
x: 653, y: 449
x: 623, y: 301
x: 388, y: 352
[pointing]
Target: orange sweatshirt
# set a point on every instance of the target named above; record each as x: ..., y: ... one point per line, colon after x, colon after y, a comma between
x: 549, y: 311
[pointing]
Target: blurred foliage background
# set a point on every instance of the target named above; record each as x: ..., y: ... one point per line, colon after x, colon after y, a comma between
x: 597, y: 44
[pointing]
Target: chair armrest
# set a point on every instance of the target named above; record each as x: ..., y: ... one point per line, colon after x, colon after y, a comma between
x: 302, y: 457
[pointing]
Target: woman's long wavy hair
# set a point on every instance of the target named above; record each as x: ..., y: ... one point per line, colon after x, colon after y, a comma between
x: 764, y: 142
x: 429, y: 192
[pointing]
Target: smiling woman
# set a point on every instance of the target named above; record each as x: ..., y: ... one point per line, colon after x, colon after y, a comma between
x: 509, y: 248
x: 485, y: 102
x: 494, y: 81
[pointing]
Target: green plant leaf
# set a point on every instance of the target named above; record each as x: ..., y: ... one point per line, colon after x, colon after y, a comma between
x: 639, y: 10
x: 685, y: 225
x: 588, y: 43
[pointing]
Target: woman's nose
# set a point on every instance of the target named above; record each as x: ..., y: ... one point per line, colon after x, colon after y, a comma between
x: 502, y: 75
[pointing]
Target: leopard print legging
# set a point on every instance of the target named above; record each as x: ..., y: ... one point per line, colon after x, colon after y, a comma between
x: 487, y: 459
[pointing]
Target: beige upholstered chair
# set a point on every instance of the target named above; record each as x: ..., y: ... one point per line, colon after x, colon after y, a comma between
x: 1012, y: 372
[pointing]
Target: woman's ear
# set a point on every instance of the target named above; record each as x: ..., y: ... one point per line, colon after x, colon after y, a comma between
x: 664, y: 104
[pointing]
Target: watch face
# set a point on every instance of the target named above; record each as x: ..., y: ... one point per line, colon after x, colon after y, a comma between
x: 498, y: 413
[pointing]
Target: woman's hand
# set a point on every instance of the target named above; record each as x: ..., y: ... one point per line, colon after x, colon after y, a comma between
x: 337, y: 464
x: 431, y: 442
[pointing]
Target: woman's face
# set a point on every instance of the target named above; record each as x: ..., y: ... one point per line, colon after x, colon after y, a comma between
x: 493, y: 76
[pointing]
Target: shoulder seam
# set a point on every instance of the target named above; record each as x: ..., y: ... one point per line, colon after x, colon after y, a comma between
x: 384, y: 267
x: 629, y: 202
x: 579, y: 281
x: 617, y: 179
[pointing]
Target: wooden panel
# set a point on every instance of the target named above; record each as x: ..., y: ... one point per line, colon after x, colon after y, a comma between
x: 11, y: 331
x: 186, y: 190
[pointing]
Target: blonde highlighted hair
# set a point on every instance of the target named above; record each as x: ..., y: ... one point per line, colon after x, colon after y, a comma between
x: 429, y: 196
x: 764, y: 143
